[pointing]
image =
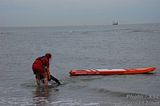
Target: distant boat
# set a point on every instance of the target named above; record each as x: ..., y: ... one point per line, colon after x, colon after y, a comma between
x: 115, y: 23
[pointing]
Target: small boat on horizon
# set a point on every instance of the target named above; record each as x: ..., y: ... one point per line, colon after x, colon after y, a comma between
x: 115, y: 23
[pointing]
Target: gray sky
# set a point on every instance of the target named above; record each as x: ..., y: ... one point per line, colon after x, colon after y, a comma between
x: 77, y: 12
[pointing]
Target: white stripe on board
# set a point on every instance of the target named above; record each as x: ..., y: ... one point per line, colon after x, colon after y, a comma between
x: 110, y: 69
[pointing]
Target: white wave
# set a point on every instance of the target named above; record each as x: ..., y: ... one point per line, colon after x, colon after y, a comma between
x: 73, y: 102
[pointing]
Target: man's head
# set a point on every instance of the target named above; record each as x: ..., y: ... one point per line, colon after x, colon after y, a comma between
x: 48, y: 55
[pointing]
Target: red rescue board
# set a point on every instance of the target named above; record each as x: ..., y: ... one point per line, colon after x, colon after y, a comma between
x: 75, y: 72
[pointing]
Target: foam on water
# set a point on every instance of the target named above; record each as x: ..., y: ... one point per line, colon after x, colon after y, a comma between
x: 72, y: 102
x: 43, y: 101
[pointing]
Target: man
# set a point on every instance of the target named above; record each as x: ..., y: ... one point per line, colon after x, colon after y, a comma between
x: 41, y: 70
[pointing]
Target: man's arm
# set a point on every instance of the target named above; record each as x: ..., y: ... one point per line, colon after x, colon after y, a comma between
x: 48, y: 74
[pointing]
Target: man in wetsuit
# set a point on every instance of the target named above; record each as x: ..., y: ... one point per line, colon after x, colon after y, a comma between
x: 41, y: 70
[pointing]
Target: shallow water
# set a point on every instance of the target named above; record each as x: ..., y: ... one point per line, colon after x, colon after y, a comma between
x: 81, y: 47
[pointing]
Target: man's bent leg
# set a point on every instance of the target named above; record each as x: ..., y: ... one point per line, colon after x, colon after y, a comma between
x: 46, y: 81
x: 38, y: 79
x: 45, y: 76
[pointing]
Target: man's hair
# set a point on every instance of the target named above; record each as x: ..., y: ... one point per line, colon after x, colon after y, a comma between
x: 48, y: 55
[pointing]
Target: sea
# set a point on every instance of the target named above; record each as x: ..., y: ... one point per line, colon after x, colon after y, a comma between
x: 81, y: 47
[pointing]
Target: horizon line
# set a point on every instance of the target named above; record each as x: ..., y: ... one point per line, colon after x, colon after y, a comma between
x: 78, y: 25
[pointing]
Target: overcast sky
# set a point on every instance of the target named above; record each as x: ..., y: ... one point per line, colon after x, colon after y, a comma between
x: 77, y: 12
